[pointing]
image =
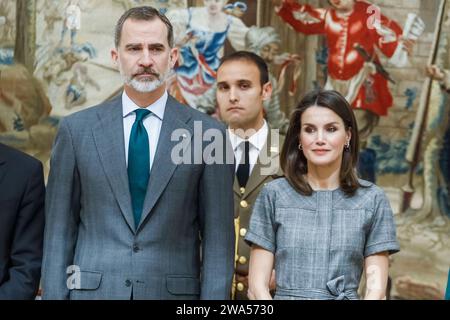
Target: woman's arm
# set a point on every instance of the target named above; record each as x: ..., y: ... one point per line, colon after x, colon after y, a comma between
x: 260, y: 271
x: 376, y: 268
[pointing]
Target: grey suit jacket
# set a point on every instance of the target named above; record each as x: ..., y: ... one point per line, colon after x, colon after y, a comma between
x: 183, y: 247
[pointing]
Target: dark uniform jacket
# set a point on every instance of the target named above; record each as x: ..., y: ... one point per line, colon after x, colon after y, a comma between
x: 244, y: 198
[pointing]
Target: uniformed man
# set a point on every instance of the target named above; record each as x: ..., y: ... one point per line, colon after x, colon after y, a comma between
x: 242, y: 87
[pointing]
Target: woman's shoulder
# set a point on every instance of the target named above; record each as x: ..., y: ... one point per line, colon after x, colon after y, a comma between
x: 369, y: 195
x: 279, y: 192
x: 280, y: 187
x: 277, y: 184
x: 368, y: 187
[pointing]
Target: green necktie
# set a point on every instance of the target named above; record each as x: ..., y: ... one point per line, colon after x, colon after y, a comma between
x: 138, y: 164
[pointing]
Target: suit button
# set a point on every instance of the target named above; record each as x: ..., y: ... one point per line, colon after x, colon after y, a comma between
x: 136, y: 248
x: 128, y: 283
x: 242, y: 260
x: 242, y: 190
x: 240, y: 287
x: 243, y: 232
x: 244, y: 204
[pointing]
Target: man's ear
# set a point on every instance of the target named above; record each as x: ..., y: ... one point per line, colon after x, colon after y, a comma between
x: 267, y: 91
x: 173, y: 58
x: 114, y: 56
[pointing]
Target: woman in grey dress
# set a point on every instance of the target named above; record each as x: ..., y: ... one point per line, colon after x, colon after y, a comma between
x: 320, y: 226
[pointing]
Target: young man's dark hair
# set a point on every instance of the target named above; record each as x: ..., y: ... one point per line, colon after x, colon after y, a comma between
x: 253, y: 58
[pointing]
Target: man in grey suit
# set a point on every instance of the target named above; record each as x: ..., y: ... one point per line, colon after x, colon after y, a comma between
x: 123, y: 220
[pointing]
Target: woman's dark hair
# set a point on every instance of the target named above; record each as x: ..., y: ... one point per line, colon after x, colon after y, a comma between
x: 293, y: 161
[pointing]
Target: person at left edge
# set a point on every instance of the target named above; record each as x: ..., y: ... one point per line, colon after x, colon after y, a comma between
x: 110, y: 233
x: 22, y: 194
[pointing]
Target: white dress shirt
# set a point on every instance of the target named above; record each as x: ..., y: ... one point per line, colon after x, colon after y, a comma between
x: 257, y: 142
x: 152, y: 122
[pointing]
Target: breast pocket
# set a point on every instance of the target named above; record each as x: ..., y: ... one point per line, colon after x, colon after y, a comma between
x: 181, y: 285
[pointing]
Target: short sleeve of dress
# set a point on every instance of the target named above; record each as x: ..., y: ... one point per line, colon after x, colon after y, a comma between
x: 261, y: 228
x: 382, y: 235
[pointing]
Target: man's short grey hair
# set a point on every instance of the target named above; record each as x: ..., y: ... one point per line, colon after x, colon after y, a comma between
x: 143, y: 13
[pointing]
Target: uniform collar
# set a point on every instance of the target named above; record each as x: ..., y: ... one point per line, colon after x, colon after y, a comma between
x: 257, y: 140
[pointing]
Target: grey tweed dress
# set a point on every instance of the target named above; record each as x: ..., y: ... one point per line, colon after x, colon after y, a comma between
x: 320, y: 241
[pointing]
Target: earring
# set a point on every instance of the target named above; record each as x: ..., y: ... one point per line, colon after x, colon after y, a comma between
x: 300, y: 147
x: 347, y: 146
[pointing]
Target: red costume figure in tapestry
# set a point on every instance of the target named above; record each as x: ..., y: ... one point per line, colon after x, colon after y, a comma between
x: 347, y: 24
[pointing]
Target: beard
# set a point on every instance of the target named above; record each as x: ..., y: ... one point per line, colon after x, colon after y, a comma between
x: 146, y: 85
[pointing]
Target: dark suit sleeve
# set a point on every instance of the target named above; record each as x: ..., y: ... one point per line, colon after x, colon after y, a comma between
x: 26, y: 249
x: 61, y: 216
x: 217, y: 227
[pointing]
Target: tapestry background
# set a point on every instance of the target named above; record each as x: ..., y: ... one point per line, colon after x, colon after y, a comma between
x: 49, y: 69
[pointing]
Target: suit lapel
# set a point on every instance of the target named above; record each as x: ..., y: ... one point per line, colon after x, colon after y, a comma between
x: 236, y: 187
x: 255, y: 179
x: 109, y: 140
x: 176, y: 116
